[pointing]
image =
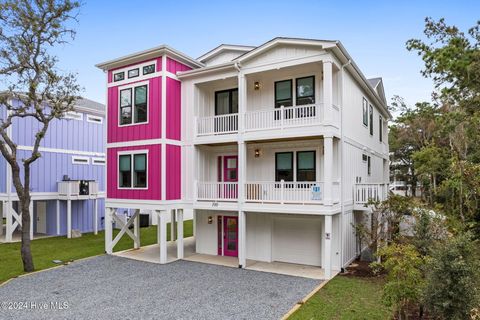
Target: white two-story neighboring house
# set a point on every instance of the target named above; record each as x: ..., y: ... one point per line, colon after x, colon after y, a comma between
x: 276, y: 149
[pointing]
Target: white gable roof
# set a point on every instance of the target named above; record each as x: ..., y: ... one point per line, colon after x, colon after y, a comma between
x: 223, y: 53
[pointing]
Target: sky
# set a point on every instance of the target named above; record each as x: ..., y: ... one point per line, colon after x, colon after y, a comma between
x: 373, y: 32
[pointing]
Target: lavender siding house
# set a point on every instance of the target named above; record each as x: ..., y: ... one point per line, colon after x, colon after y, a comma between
x: 67, y: 182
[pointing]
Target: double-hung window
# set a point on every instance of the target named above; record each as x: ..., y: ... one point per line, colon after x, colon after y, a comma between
x: 283, y: 93
x: 305, y: 90
x: 365, y: 112
x: 306, y: 166
x: 284, y: 166
x: 132, y: 170
x: 138, y: 103
x: 226, y: 102
x: 380, y: 128
x: 371, y: 120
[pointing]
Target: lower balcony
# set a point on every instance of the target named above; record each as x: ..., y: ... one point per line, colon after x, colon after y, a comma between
x: 365, y: 192
x: 274, y: 192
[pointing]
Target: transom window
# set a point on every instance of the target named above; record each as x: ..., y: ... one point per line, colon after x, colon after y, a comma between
x: 305, y: 166
x: 140, y: 104
x: 132, y: 176
x: 119, y: 76
x: 226, y: 102
x: 149, y: 69
x: 133, y: 73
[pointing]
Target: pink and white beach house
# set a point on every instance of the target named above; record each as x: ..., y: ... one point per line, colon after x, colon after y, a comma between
x: 274, y: 150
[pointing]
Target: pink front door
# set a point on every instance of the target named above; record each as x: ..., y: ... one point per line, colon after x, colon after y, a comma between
x: 230, y: 236
x: 230, y: 176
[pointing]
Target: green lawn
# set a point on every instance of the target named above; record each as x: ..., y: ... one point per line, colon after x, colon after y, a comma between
x: 61, y: 248
x: 346, y: 298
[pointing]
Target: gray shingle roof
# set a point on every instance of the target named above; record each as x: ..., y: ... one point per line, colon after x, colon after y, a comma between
x: 90, y: 104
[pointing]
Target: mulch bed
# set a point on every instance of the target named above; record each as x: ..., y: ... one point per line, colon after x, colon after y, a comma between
x: 359, y: 269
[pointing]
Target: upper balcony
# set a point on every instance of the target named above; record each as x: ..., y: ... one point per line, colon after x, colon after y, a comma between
x: 296, y: 101
x: 276, y: 119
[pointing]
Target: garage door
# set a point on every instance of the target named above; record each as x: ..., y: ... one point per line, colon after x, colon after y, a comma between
x: 297, y: 240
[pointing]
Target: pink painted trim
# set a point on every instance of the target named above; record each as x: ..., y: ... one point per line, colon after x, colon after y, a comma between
x: 226, y: 251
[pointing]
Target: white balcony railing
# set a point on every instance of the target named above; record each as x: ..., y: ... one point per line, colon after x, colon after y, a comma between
x: 222, y: 124
x: 364, y: 192
x: 284, y: 192
x: 285, y: 117
x: 217, y: 191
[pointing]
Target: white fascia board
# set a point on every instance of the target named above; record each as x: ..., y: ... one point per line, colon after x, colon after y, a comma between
x: 149, y: 54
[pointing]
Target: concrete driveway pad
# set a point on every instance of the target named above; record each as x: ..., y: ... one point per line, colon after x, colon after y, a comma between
x: 109, y: 287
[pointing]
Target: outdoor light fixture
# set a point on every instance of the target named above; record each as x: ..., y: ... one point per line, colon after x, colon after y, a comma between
x: 210, y: 219
x: 256, y: 85
x: 257, y: 153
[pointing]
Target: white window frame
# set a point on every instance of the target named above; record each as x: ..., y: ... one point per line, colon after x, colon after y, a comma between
x: 94, y: 119
x: 131, y: 153
x: 132, y: 87
x: 74, y: 115
x: 99, y: 159
x: 81, y: 159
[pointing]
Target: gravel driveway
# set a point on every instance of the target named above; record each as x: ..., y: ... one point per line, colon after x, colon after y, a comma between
x: 109, y: 287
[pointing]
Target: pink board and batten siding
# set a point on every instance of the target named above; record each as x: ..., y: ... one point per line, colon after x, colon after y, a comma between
x: 149, y: 130
x: 174, y: 66
x: 153, y: 180
x: 174, y: 172
x: 174, y: 111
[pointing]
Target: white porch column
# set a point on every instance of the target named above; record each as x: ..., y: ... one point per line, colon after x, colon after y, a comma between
x: 69, y: 218
x: 327, y: 170
x: 180, y: 233
x: 30, y: 208
x: 242, y: 101
x: 327, y: 255
x: 95, y: 216
x: 7, y: 205
x: 162, y: 235
x: 58, y: 217
x: 108, y: 230
x: 194, y: 221
x: 136, y: 230
x: 327, y: 91
x: 242, y: 257
x: 172, y: 224
x: 242, y: 170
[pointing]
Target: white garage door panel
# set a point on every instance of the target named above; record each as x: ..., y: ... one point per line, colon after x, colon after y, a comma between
x: 297, y: 240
